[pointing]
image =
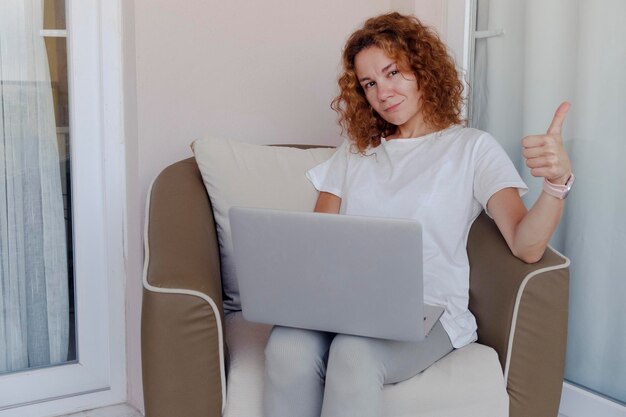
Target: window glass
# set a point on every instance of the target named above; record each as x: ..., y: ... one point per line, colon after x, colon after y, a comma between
x: 519, y: 80
x: 36, y: 263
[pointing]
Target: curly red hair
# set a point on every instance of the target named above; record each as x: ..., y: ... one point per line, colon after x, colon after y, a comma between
x: 416, y: 48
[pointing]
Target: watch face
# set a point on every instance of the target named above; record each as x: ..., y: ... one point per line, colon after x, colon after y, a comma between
x: 568, y: 184
x: 566, y: 192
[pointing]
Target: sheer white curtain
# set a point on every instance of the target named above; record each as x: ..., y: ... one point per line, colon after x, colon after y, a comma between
x: 576, y: 51
x: 34, y: 319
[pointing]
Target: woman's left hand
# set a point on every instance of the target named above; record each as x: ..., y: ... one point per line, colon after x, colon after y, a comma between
x: 545, y: 154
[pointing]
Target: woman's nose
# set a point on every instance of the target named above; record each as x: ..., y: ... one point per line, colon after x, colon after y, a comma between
x: 384, y: 90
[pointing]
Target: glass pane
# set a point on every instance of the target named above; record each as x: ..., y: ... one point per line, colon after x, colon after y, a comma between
x: 54, y: 14
x: 517, y: 77
x: 478, y: 92
x: 594, y: 223
x: 36, y: 291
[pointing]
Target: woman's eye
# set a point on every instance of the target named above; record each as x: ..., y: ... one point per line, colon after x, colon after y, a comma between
x: 393, y: 72
x: 369, y: 85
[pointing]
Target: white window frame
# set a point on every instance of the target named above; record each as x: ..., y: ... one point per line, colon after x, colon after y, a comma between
x: 98, y: 378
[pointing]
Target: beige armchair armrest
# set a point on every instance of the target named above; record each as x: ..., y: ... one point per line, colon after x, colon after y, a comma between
x: 182, y: 315
x: 522, y: 313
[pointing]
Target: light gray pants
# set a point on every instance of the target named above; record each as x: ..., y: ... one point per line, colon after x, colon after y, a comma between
x: 310, y: 373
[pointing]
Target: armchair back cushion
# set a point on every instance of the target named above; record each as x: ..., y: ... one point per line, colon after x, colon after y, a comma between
x: 248, y: 175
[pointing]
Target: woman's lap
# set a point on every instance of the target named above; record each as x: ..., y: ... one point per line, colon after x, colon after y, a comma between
x: 299, y: 362
x: 399, y: 360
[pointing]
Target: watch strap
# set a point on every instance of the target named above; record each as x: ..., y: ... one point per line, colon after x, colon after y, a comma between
x: 557, y: 190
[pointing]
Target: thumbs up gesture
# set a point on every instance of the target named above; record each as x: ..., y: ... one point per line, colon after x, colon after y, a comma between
x: 545, y: 154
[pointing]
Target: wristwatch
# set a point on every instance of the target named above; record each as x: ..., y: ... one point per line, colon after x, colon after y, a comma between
x: 557, y: 190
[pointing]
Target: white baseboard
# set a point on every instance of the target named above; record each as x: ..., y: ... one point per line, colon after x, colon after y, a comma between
x: 577, y: 402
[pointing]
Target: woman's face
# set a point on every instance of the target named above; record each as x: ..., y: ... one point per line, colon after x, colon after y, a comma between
x: 391, y: 93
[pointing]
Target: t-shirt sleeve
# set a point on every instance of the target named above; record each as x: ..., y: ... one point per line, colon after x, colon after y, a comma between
x: 329, y: 176
x: 494, y: 170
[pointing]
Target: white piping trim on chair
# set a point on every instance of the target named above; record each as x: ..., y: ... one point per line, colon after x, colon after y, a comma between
x: 518, y: 300
x: 205, y: 297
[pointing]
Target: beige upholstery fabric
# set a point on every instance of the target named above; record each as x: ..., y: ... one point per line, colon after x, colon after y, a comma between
x: 468, y: 382
x: 248, y: 175
x: 180, y: 333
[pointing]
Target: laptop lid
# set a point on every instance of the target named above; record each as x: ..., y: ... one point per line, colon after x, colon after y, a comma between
x: 337, y: 273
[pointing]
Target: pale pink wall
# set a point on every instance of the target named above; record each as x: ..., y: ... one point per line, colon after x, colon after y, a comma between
x: 261, y: 72
x: 432, y: 12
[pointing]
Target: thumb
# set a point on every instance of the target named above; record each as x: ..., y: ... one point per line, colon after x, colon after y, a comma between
x: 559, y: 118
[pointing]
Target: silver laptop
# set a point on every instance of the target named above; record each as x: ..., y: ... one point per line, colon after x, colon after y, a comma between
x: 329, y: 272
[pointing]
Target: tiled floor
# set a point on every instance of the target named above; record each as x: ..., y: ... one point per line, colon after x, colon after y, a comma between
x: 120, y: 410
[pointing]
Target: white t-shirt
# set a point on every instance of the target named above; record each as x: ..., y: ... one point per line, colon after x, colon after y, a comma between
x: 443, y: 180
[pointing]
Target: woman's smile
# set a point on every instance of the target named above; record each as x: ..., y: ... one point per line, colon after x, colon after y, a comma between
x: 393, y: 107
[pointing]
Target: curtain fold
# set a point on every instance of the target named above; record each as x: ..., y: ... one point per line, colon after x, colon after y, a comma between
x: 34, y: 305
x: 594, y: 225
x: 576, y: 51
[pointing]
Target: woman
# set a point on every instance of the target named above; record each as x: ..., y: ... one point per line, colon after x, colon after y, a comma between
x: 408, y: 157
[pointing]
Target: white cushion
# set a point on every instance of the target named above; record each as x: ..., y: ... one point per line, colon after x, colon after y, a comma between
x: 248, y: 175
x: 468, y: 382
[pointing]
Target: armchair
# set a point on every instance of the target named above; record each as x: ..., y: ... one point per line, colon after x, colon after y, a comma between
x: 521, y: 311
